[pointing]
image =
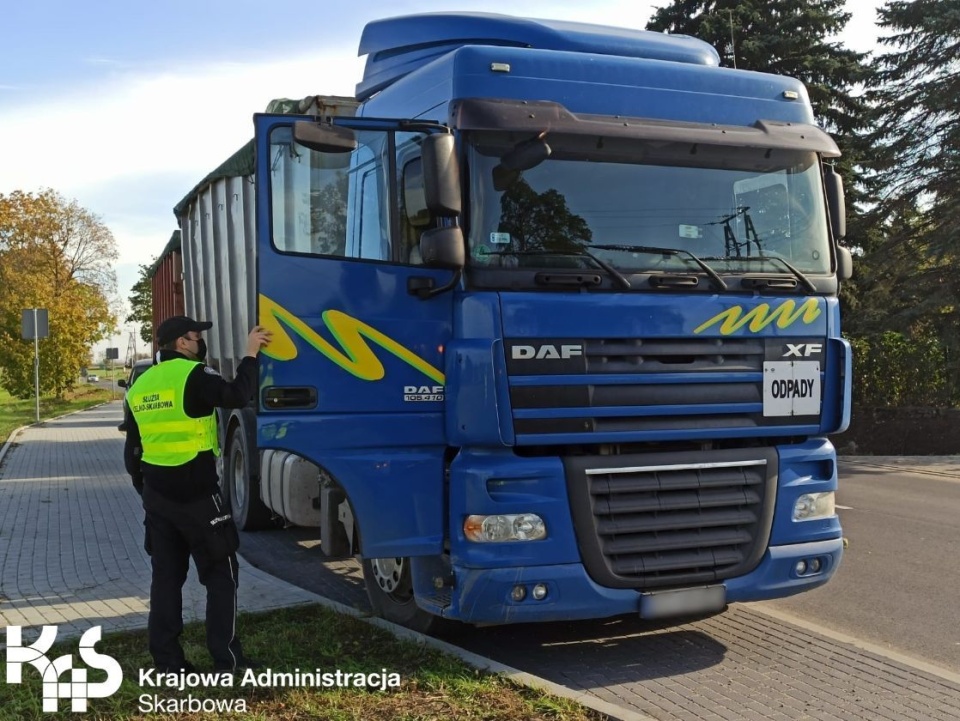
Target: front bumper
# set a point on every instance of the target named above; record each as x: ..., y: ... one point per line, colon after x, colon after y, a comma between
x: 485, y: 594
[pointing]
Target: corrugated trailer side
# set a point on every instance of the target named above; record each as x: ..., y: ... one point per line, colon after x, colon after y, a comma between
x: 219, y: 265
x: 166, y: 284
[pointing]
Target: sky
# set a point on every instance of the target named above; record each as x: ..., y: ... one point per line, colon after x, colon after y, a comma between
x: 124, y: 106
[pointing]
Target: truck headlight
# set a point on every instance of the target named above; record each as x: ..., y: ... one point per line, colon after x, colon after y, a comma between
x: 504, y: 527
x: 814, y: 505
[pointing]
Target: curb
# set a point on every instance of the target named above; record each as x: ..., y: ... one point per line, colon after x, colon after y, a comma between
x: 9, y: 442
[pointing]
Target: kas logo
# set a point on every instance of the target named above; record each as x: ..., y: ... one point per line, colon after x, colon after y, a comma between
x: 76, y: 688
x: 803, y: 350
x: 546, y: 351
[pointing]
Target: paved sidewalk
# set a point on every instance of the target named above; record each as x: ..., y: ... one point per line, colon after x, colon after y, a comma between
x: 71, y: 534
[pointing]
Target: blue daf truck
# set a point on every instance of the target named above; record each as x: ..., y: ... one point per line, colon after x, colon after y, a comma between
x: 555, y: 323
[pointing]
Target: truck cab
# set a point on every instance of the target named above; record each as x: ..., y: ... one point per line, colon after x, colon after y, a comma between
x: 555, y: 326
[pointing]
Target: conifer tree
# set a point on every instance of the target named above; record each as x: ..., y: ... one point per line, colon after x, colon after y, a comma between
x: 795, y: 38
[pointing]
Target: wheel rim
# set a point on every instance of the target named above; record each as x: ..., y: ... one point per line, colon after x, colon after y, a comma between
x: 389, y: 574
x: 239, y: 477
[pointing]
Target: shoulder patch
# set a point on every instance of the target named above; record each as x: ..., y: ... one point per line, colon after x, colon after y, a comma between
x: 211, y: 371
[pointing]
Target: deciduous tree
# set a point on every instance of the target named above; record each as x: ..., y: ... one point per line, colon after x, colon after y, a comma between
x: 54, y: 254
x: 141, y: 304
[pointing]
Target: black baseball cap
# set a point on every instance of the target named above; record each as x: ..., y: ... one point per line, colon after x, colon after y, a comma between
x: 178, y: 325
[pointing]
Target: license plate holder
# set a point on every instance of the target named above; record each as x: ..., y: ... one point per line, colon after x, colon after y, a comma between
x: 683, y: 602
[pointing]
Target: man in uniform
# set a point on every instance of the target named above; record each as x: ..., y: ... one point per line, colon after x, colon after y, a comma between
x: 170, y: 454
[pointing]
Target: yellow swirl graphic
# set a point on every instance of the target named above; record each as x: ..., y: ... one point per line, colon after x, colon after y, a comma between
x: 354, y: 355
x: 784, y: 315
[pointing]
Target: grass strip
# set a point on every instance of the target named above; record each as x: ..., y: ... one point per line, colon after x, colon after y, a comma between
x: 15, y: 412
x: 402, y: 680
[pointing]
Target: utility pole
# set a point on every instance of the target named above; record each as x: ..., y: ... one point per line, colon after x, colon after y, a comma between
x: 132, y: 349
x: 733, y: 46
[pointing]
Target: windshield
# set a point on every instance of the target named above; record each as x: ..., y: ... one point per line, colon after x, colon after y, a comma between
x: 724, y: 205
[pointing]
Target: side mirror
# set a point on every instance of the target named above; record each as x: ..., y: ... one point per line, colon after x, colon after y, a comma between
x: 441, y: 177
x: 324, y: 138
x: 844, y: 263
x: 443, y: 248
x: 122, y: 382
x: 835, y: 197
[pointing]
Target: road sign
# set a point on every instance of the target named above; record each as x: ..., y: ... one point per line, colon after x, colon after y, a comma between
x: 31, y: 327
x: 113, y: 353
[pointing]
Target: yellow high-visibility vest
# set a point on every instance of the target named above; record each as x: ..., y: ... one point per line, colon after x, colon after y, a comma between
x: 170, y: 437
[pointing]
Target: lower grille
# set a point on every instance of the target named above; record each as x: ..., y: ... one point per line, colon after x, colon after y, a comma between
x: 660, y: 520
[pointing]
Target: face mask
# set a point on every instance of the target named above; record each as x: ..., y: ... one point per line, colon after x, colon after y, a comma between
x: 201, y: 350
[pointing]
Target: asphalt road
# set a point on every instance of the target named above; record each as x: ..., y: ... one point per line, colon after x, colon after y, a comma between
x: 899, y: 583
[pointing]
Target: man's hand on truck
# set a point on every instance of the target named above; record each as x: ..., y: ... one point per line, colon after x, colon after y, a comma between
x: 258, y: 338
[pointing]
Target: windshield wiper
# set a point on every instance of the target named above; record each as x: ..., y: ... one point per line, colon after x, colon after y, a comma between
x: 714, y: 276
x: 604, y: 265
x: 804, y: 280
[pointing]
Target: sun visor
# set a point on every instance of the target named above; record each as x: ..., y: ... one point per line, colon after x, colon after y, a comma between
x: 539, y: 116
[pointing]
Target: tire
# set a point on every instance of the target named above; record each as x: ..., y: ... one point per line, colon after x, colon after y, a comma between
x: 390, y: 590
x: 243, y: 485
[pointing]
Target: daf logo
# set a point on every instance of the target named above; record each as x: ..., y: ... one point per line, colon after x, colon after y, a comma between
x: 546, y: 351
x: 803, y: 350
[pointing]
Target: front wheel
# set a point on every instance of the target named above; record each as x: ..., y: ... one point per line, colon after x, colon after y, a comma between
x: 249, y: 512
x: 390, y: 590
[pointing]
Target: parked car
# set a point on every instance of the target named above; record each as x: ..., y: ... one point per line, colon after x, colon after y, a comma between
x: 135, y: 372
x: 93, y: 378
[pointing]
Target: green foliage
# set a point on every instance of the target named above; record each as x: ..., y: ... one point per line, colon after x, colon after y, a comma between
x: 793, y: 38
x: 893, y: 370
x: 141, y: 304
x: 907, y: 278
x: 54, y: 255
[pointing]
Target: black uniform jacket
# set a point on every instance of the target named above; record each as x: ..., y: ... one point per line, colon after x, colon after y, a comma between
x: 205, y: 390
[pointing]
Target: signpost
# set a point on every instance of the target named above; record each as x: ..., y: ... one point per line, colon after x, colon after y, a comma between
x: 112, y: 355
x: 34, y: 325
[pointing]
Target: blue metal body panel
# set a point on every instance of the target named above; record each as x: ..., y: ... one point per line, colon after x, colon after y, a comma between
x: 429, y: 36
x: 595, y: 84
x: 387, y: 454
x: 413, y: 472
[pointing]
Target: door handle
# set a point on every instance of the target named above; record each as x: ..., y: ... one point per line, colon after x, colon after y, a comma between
x: 277, y: 397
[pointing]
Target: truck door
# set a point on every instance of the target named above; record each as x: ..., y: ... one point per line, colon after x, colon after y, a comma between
x: 353, y: 378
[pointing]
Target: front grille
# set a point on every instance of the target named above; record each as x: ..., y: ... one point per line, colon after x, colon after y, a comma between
x: 659, y: 520
x: 643, y: 386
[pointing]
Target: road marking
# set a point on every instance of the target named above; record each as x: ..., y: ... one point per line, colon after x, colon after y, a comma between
x: 843, y: 508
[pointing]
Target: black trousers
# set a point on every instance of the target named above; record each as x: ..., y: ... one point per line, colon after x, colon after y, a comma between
x: 175, y: 532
